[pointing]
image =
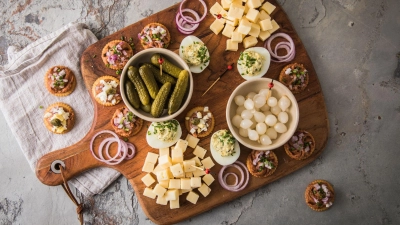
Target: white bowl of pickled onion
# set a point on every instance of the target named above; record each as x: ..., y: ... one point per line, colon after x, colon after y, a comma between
x: 262, y: 140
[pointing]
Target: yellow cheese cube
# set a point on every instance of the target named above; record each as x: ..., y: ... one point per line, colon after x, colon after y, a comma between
x: 231, y: 45
x: 148, y: 167
x: 151, y: 157
x: 208, y: 179
x: 207, y: 163
x: 237, y: 2
x: 236, y: 11
x: 216, y: 26
x: 163, y: 151
x: 265, y: 24
x: 148, y: 180
x: 159, y: 190
x: 268, y: 7
x: 164, y: 174
x: 253, y: 3
x: 177, y: 155
x: 227, y: 31
x: 188, y: 165
x: 196, y: 160
x: 216, y: 8
x: 172, y: 195
x: 188, y: 174
x: 148, y: 192
x: 181, y: 144
x: 199, y: 152
x: 164, y: 161
x: 192, y: 141
x: 198, y: 173
x: 174, y: 204
x: 253, y: 15
x: 204, y: 190
x: 195, y: 182
x: 225, y: 4
x: 185, y: 184
x: 161, y: 200
x: 174, y: 184
x: 157, y: 169
x: 246, y: 9
x: 249, y: 41
x: 264, y: 35
x: 176, y: 170
x: 232, y: 21
x: 192, y: 197
x: 164, y: 183
x: 275, y: 26
x: 237, y: 37
x: 244, y: 26
x: 255, y: 30
x: 263, y: 15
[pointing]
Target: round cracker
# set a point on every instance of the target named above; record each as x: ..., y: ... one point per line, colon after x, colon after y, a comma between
x: 289, y: 153
x: 66, y: 90
x: 309, y: 188
x: 111, y: 44
x: 249, y: 164
x: 166, y: 39
x: 138, y: 125
x: 282, y: 75
x: 211, y: 124
x: 70, y: 120
x: 107, y: 103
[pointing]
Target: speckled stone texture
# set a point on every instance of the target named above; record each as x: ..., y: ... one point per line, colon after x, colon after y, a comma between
x: 353, y: 46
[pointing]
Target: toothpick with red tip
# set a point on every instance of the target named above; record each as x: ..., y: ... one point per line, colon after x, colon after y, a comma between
x: 219, y: 16
x: 207, y: 171
x: 271, y: 85
x: 229, y: 67
x: 160, y: 61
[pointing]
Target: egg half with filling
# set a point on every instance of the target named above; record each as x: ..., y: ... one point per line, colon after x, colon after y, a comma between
x: 253, y: 62
x: 224, y: 147
x: 163, y: 134
x: 195, y: 53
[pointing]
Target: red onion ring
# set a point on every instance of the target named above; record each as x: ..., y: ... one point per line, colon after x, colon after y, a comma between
x: 180, y: 22
x: 198, y: 20
x: 122, y: 151
x: 237, y: 186
x: 288, y: 46
x: 233, y: 174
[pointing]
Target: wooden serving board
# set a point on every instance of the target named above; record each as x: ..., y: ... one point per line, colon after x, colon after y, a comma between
x: 313, y: 115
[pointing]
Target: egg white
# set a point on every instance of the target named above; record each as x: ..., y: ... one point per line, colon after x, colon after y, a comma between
x: 188, y: 40
x: 154, y: 142
x: 225, y: 160
x: 267, y: 60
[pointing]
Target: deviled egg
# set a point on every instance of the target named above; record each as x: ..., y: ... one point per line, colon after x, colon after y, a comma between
x: 253, y: 62
x: 163, y: 134
x: 224, y: 148
x: 195, y: 53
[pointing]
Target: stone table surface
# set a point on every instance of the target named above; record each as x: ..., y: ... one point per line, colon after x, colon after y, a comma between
x: 353, y: 45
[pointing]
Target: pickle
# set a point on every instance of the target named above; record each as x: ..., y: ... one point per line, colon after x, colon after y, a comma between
x: 134, y: 76
x: 164, y: 78
x: 148, y: 78
x: 132, y: 94
x: 179, y: 92
x: 157, y: 107
x: 145, y: 108
x: 167, y: 66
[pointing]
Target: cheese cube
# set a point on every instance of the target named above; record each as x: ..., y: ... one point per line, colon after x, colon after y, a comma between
x: 164, y: 161
x: 231, y: 45
x: 159, y: 190
x: 188, y: 165
x: 188, y: 174
x: 163, y: 151
x: 172, y: 195
x: 192, y: 141
x: 264, y: 35
x: 236, y: 11
x: 174, y: 184
x: 236, y: 2
x: 232, y: 21
x: 216, y: 8
x: 208, y: 179
x: 253, y: 3
x: 255, y: 30
x: 195, y: 182
x: 164, y: 174
x: 148, y: 192
x: 198, y: 173
x: 176, y: 170
x: 237, y: 37
x: 177, y: 155
x: 207, y: 163
x: 192, y: 197
x: 244, y: 26
x: 164, y: 183
x: 204, y: 190
x: 148, y: 167
x: 181, y: 144
x: 148, y: 180
x: 249, y: 41
x: 182, y: 175
x: 253, y: 15
x: 268, y: 7
x: 157, y: 169
x: 199, y: 152
x: 246, y: 9
x: 227, y: 31
x: 263, y: 15
x: 224, y: 14
x: 275, y: 26
x: 265, y: 24
x: 225, y: 4
x: 216, y: 26
x: 151, y: 157
x: 161, y: 200
x: 174, y: 204
x: 196, y: 160
x: 185, y: 183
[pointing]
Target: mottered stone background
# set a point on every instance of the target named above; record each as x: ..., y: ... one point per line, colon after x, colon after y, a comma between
x: 353, y: 46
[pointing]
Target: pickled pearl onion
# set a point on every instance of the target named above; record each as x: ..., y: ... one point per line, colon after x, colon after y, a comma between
x: 237, y: 186
x: 288, y: 46
x: 198, y: 20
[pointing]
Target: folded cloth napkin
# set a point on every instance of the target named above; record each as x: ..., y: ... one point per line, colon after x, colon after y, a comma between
x: 24, y: 98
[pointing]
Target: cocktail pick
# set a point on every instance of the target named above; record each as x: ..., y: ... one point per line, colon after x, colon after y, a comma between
x: 229, y: 67
x: 219, y: 16
x: 160, y: 61
x: 207, y: 171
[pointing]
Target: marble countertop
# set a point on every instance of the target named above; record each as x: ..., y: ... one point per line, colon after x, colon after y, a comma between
x: 353, y: 46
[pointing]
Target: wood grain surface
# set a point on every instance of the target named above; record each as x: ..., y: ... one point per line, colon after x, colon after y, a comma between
x: 313, y: 115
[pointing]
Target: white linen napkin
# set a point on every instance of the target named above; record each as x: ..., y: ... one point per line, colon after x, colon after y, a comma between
x: 24, y: 98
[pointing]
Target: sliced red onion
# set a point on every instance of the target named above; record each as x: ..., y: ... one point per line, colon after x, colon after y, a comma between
x: 180, y: 22
x: 198, y: 20
x: 237, y: 186
x: 288, y: 46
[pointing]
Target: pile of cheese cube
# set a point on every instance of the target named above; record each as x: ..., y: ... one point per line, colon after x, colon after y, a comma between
x: 243, y: 23
x: 176, y: 176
